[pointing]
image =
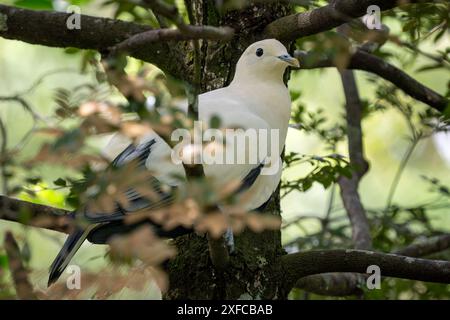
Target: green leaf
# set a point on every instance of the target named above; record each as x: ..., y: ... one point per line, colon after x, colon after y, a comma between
x: 34, y: 4
x: 79, y: 2
x: 60, y: 182
x: 71, y: 50
x: 307, y: 184
x: 447, y: 112
x: 215, y: 122
x: 444, y: 190
x: 3, y: 261
x: 429, y: 67
x: 411, y: 24
x: 33, y: 180
x: 26, y: 253
x: 295, y: 95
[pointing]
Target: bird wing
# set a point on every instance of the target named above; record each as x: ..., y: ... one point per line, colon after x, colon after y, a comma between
x: 140, y: 153
x: 153, y: 153
x: 148, y: 154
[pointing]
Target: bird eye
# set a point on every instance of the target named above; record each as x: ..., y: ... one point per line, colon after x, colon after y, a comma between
x: 259, y: 52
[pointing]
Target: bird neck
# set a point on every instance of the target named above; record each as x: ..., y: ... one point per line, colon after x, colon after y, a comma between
x: 269, y: 99
x: 254, y: 76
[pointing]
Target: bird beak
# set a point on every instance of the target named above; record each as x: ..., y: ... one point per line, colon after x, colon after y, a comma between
x: 290, y: 60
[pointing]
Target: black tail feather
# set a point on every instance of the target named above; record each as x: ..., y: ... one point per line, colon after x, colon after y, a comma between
x: 73, y: 242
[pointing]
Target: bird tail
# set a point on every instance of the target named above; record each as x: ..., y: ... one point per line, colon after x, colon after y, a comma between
x: 70, y: 247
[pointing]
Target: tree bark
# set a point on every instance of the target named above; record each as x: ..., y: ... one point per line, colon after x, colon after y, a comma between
x: 253, y: 266
x: 302, y: 264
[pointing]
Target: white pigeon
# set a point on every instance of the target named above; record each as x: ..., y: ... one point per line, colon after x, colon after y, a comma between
x: 257, y: 98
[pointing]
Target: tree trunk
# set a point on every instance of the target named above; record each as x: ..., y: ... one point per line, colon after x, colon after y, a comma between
x: 252, y: 272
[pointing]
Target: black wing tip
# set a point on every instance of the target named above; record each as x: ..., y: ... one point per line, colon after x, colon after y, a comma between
x: 53, y: 277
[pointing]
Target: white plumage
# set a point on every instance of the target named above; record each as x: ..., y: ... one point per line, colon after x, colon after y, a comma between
x: 256, y: 99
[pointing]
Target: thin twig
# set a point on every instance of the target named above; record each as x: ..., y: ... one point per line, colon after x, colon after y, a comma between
x: 399, y: 172
x: 326, y: 220
x: 25, y: 105
x: 164, y: 9
x: 4, y: 157
x: 41, y: 79
x: 24, y: 289
x: 442, y: 60
x: 426, y: 247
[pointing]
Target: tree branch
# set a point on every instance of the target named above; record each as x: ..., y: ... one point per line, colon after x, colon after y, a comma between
x: 346, y: 284
x: 332, y: 284
x: 349, y: 186
x: 426, y: 247
x: 50, y: 29
x: 23, y: 287
x: 325, y: 18
x: 141, y: 40
x: 302, y: 264
x: 35, y: 215
x: 362, y: 60
x: 4, y: 157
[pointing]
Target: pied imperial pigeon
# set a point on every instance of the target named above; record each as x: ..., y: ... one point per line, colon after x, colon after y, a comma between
x: 257, y: 98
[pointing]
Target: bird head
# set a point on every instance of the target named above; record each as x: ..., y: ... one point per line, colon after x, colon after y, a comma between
x: 265, y: 59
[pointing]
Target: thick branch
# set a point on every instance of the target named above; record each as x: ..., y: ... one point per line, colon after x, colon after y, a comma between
x: 141, y: 40
x: 50, y: 29
x: 362, y: 60
x: 35, y: 215
x: 353, y: 116
x: 332, y: 284
x: 302, y: 264
x: 349, y: 186
x: 426, y: 247
x: 23, y: 287
x: 356, y: 213
x: 346, y: 284
x: 325, y: 18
